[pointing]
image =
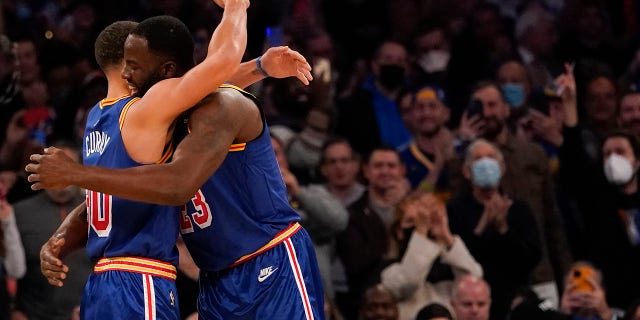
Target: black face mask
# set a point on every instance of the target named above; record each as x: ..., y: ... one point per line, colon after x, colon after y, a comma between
x: 391, y: 76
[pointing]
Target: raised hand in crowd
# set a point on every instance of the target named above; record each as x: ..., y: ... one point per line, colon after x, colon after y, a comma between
x: 471, y: 127
x: 443, y: 153
x: 439, y: 223
x: 584, y: 302
x: 546, y: 127
x: 423, y: 210
x: 566, y: 84
x: 494, y: 215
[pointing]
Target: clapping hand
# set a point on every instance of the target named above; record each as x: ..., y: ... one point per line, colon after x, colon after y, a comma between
x: 495, y: 213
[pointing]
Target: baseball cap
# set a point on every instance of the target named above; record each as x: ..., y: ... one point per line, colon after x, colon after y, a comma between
x: 430, y: 92
x: 541, y: 97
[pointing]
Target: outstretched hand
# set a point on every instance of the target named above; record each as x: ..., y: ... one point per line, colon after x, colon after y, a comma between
x: 566, y: 83
x: 50, y: 265
x: 283, y: 62
x: 50, y: 170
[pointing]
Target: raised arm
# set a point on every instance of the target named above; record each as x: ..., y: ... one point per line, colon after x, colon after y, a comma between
x: 221, y: 119
x: 224, y: 55
x: 277, y: 62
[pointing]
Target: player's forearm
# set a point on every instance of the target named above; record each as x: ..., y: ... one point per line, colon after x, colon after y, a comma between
x: 74, y: 230
x: 229, y: 39
x: 160, y: 184
x: 246, y: 75
x: 224, y: 55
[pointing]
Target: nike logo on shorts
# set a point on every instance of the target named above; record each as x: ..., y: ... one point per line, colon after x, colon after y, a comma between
x: 265, y: 273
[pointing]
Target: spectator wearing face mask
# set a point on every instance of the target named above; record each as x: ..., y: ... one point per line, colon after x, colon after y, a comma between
x: 373, y: 106
x: 606, y: 193
x: 528, y: 178
x: 432, y: 51
x: 609, y: 199
x: 500, y: 231
x: 514, y: 82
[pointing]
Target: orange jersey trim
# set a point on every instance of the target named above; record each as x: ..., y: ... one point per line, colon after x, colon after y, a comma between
x: 137, y: 265
x: 125, y: 109
x: 237, y: 147
x: 168, y: 153
x: 110, y: 101
x: 282, y: 236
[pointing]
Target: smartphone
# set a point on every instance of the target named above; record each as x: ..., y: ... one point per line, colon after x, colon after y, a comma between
x: 474, y: 108
x: 579, y: 276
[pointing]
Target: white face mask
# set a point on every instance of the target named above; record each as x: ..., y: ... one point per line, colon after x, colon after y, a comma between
x: 618, y: 169
x: 434, y: 61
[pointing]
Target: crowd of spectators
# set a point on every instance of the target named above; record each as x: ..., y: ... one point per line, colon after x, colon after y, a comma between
x: 460, y: 159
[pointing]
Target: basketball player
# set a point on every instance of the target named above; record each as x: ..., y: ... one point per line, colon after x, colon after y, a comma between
x: 238, y: 225
x: 136, y: 252
x: 126, y: 235
x: 303, y: 279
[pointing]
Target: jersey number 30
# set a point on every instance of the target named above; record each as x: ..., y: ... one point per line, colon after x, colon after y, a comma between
x: 201, y: 216
x: 99, y: 211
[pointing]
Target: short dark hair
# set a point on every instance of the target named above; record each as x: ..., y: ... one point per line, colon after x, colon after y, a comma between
x: 487, y: 84
x: 109, y: 45
x: 381, y: 147
x: 625, y: 134
x: 434, y: 310
x: 332, y: 140
x: 168, y: 36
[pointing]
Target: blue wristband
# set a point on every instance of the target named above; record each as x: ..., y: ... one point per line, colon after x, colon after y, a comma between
x: 259, y: 66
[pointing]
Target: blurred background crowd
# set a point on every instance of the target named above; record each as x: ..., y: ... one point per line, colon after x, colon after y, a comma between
x: 458, y: 159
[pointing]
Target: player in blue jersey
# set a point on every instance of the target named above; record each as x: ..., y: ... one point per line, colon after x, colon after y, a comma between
x: 238, y: 226
x: 131, y: 242
x: 134, y: 242
x: 273, y: 227
x: 257, y: 262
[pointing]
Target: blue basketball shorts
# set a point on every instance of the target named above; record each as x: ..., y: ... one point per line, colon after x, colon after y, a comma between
x: 280, y: 283
x: 130, y: 288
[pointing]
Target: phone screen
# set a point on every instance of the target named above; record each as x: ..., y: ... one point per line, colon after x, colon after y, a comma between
x: 474, y: 108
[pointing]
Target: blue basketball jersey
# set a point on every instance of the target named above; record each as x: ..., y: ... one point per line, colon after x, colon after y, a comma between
x: 120, y: 227
x: 241, y: 207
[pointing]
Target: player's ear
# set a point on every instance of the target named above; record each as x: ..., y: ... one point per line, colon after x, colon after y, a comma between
x: 168, y: 69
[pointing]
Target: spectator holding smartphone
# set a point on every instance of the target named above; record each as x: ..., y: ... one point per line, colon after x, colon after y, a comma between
x: 527, y: 161
x: 584, y: 295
